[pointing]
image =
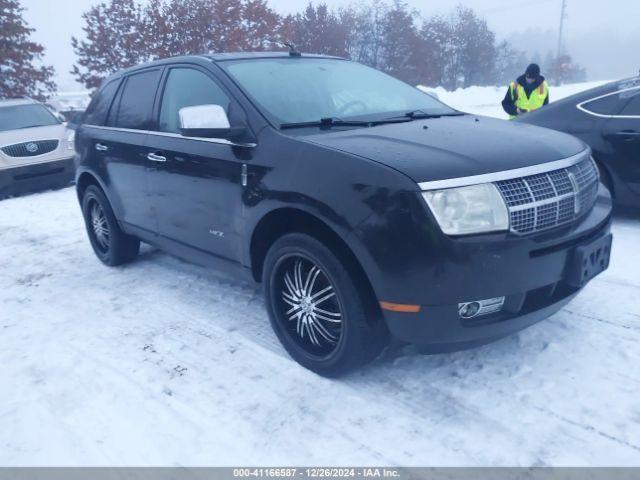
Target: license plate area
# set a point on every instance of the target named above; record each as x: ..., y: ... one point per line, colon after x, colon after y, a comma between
x: 588, y: 261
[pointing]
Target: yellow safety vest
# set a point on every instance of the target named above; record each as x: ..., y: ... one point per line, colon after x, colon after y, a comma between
x: 529, y: 104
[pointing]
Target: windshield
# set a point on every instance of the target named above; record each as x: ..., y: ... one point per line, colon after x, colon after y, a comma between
x: 25, y: 116
x: 309, y: 89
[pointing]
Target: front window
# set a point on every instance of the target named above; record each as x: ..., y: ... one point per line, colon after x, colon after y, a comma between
x: 25, y: 116
x: 297, y: 90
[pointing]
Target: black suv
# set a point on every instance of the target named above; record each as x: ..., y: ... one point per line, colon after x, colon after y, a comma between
x: 365, y: 207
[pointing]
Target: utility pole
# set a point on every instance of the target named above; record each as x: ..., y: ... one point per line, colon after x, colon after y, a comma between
x: 563, y: 17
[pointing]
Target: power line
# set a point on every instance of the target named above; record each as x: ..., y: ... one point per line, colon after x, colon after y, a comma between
x: 563, y: 16
x: 512, y: 5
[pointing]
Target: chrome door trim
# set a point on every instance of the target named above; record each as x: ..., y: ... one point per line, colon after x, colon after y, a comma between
x: 219, y: 141
x: 505, y: 174
x: 582, y: 108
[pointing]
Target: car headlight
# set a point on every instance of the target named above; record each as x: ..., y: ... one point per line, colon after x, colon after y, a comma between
x: 71, y: 137
x: 467, y: 210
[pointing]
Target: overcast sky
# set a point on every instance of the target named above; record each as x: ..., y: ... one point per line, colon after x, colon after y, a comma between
x: 604, y: 35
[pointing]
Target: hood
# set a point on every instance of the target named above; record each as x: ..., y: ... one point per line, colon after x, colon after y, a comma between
x: 452, y: 147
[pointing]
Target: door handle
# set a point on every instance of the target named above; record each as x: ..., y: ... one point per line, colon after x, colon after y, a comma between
x: 154, y: 157
x: 101, y: 147
x: 628, y: 133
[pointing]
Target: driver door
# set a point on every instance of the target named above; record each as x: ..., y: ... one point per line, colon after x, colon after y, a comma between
x: 195, y: 184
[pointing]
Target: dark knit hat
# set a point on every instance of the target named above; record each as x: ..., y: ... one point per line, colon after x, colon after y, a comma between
x: 533, y: 71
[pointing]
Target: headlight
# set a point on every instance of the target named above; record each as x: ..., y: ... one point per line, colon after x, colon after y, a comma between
x: 71, y: 137
x: 466, y: 210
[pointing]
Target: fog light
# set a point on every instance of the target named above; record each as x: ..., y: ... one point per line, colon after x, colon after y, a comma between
x: 480, y: 307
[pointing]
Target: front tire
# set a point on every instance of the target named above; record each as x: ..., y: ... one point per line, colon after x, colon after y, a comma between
x: 315, y: 308
x: 111, y: 245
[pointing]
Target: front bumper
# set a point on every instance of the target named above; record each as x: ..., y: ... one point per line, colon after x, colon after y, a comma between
x: 535, y: 273
x: 36, y: 177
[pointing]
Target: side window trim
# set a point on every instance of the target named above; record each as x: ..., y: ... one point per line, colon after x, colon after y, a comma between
x: 120, y: 92
x: 118, y: 82
x: 582, y: 105
x: 155, y: 121
x: 112, y: 113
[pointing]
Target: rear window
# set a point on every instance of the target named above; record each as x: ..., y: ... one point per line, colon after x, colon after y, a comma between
x: 633, y: 107
x: 609, y: 105
x: 136, y: 101
x: 17, y: 117
x: 99, y: 107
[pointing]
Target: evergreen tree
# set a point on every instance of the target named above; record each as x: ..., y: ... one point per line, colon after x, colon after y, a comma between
x: 475, y: 48
x: 20, y: 74
x: 435, y: 51
x: 401, y: 43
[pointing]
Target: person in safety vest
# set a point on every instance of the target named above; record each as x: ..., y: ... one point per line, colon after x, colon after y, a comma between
x: 528, y: 93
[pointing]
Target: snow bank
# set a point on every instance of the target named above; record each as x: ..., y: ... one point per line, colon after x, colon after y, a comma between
x: 487, y: 100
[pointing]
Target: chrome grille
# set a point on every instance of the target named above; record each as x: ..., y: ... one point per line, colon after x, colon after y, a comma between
x: 546, y: 200
x: 30, y: 149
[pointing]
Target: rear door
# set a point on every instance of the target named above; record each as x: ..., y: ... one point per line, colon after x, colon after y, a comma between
x: 622, y: 133
x: 195, y: 183
x: 123, y: 147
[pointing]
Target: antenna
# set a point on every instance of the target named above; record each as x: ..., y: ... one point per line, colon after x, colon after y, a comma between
x: 293, y: 52
x: 563, y: 16
x: 292, y: 49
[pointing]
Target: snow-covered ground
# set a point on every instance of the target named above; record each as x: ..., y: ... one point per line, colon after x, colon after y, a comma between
x: 165, y: 363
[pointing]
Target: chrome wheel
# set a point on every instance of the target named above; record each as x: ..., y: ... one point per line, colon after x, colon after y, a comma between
x: 308, y: 305
x: 100, y: 226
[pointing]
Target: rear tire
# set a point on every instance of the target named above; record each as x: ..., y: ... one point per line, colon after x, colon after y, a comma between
x: 315, y: 308
x: 111, y: 245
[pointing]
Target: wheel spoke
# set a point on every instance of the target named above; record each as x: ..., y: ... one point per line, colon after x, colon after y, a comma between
x: 324, y: 332
x: 327, y: 319
x: 297, y: 271
x: 292, y: 289
x: 321, y: 292
x: 289, y: 302
x: 325, y: 298
x: 312, y: 331
x: 324, y: 312
x: 311, y: 279
x: 290, y: 297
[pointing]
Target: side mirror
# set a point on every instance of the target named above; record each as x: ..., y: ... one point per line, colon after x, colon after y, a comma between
x: 207, y: 121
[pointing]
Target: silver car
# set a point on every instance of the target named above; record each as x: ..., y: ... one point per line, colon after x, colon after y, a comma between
x: 36, y: 148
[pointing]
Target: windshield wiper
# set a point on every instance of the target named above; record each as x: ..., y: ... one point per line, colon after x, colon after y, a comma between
x: 421, y: 115
x: 338, y: 122
x: 327, y: 122
x: 30, y: 126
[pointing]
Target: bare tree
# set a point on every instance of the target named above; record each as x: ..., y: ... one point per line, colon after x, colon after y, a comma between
x: 509, y: 63
x: 564, y: 70
x: 317, y: 30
